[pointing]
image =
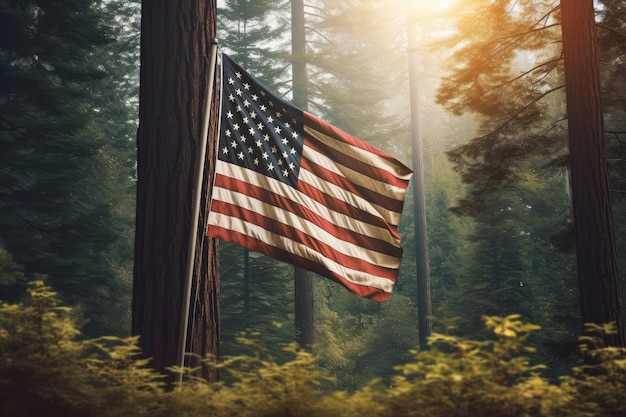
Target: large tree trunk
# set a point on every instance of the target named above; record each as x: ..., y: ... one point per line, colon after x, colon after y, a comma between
x: 304, y: 290
x: 600, y: 291
x: 175, y: 40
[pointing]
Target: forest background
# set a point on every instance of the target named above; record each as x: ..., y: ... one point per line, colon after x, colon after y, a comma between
x: 68, y: 109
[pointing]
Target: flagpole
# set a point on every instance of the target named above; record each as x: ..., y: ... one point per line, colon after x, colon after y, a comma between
x: 191, y: 255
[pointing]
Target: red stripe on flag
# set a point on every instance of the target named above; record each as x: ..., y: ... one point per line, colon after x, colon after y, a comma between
x: 347, y: 209
x: 298, y: 210
x: 335, y: 132
x: 354, y: 164
x: 369, y: 195
x: 365, y: 291
x: 332, y: 253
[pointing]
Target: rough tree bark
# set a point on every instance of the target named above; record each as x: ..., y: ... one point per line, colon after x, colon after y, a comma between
x: 599, y: 285
x: 175, y: 39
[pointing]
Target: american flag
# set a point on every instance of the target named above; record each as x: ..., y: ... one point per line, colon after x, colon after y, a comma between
x: 300, y: 190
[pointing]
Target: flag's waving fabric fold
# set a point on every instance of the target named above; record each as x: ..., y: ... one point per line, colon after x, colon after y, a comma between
x: 298, y: 189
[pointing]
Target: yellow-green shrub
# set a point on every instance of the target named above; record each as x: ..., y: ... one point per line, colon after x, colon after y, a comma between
x: 459, y: 377
x: 47, y: 370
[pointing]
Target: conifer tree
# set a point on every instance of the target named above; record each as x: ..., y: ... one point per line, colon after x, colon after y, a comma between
x: 495, y: 281
x: 59, y: 163
x: 253, y: 34
x: 515, y: 99
x: 444, y: 257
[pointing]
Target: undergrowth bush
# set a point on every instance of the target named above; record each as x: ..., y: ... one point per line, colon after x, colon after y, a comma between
x: 46, y: 369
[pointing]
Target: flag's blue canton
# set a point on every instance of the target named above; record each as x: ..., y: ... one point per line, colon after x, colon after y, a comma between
x: 259, y: 131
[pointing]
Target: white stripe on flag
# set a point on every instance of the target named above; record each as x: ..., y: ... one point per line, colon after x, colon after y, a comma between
x: 314, y: 231
x: 367, y: 157
x: 337, y: 218
x: 276, y: 240
x: 339, y: 192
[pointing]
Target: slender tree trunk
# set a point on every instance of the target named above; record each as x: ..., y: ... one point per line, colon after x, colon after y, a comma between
x: 246, y: 280
x: 304, y: 294
x: 593, y: 219
x: 424, y: 303
x: 305, y: 309
x: 175, y: 39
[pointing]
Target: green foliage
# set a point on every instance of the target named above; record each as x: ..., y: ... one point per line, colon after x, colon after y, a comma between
x: 12, y: 279
x: 47, y: 369
x: 600, y: 383
x: 507, y: 71
x: 510, y: 267
x: 359, y: 340
x: 255, y: 301
x: 67, y: 129
x: 461, y: 377
x: 254, y: 35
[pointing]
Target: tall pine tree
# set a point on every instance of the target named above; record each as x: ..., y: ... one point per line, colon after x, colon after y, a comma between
x: 514, y: 98
x: 57, y: 167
